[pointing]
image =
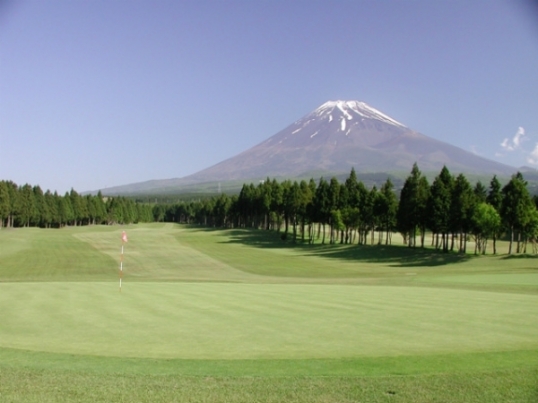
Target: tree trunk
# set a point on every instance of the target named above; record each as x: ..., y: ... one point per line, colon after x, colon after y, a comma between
x: 511, y: 240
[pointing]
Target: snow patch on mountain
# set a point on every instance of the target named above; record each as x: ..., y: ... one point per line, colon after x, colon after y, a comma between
x: 340, y: 106
x: 348, y: 108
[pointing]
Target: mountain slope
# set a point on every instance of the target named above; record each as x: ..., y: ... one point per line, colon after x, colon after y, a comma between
x: 333, y: 138
x: 344, y: 134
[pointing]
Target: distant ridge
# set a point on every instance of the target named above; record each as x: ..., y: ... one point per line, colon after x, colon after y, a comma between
x: 333, y: 138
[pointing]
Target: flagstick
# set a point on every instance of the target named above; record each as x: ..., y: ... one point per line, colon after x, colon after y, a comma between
x: 121, y: 264
x: 123, y: 240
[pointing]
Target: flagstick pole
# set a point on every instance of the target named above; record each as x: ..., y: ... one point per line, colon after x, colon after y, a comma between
x: 121, y: 264
x: 123, y: 241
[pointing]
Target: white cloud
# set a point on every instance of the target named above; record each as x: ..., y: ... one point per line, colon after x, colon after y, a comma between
x: 534, y: 152
x: 520, y: 133
x: 507, y: 146
x: 511, y: 145
x: 533, y: 158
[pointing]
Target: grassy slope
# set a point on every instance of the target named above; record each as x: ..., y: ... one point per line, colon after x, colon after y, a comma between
x: 470, y: 343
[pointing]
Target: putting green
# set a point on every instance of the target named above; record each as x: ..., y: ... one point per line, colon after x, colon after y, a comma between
x: 252, y: 321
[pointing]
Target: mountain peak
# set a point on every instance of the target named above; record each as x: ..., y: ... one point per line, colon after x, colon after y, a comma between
x: 351, y: 108
x: 331, y: 140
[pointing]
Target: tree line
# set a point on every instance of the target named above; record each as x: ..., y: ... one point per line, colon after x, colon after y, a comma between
x: 26, y: 205
x: 450, y: 209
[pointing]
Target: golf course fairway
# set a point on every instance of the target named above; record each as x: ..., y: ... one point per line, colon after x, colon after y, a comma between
x: 238, y: 315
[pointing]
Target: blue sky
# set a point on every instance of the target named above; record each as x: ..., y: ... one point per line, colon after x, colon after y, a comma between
x: 103, y: 93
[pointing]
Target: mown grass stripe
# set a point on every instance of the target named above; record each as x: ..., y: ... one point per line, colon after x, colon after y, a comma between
x: 239, y: 321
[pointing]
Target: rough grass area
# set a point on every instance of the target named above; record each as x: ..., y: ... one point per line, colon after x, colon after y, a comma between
x: 27, y: 386
x: 238, y: 315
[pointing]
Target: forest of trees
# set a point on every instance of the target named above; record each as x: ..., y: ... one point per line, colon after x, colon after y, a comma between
x: 24, y: 206
x: 449, y: 209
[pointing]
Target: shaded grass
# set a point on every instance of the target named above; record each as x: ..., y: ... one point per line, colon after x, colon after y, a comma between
x: 261, y: 253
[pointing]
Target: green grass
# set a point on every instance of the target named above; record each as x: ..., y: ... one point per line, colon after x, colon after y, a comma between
x: 261, y: 321
x: 523, y: 279
x: 237, y: 315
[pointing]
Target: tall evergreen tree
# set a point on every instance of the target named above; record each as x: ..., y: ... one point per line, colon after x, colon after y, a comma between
x: 14, y: 200
x: 387, y: 205
x: 40, y: 210
x: 365, y: 210
x: 439, y: 207
x: 65, y: 210
x: 480, y: 192
x: 322, y: 206
x: 333, y: 199
x: 277, y: 204
x: 311, y: 210
x: 265, y: 202
x: 494, y: 199
x: 26, y: 206
x: 411, y: 213
x: 51, y: 217
x: 5, y: 206
x: 516, y: 208
x: 461, y: 210
x: 305, y: 200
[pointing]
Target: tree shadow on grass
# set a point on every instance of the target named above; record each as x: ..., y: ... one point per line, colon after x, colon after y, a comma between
x: 390, y: 255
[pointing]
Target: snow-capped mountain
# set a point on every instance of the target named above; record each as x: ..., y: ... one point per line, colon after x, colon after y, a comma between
x: 338, y: 123
x: 332, y: 139
x: 339, y: 135
x: 350, y: 109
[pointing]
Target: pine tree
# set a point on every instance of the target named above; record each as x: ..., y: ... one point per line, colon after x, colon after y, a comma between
x: 322, y: 206
x: 387, y: 205
x: 5, y: 205
x: 411, y: 213
x: 26, y: 206
x: 461, y: 210
x: 439, y: 207
x: 494, y: 199
x: 516, y: 208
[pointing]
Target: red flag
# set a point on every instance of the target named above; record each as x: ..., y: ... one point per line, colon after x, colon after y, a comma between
x: 124, y: 236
